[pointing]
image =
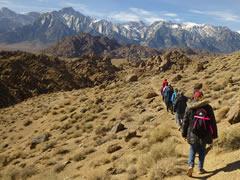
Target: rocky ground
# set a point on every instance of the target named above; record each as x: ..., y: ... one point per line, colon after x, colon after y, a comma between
x: 122, y: 130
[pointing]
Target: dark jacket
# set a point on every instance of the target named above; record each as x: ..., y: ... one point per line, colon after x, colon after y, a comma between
x: 189, y: 121
x: 180, y: 104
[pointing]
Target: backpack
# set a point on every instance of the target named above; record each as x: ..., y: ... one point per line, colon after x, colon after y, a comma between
x: 202, y: 124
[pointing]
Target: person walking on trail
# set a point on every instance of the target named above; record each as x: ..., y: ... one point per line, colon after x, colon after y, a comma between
x: 199, y: 127
x: 179, y: 107
x: 167, y: 93
x: 164, y: 84
x: 174, y: 96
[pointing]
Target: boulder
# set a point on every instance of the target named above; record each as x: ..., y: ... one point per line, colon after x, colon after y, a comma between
x: 132, y: 78
x: 177, y: 78
x: 233, y: 115
x: 118, y: 127
x: 113, y: 148
x: 131, y: 135
x: 39, y: 139
x: 151, y: 94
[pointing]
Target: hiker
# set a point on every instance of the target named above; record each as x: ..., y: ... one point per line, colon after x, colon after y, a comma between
x: 164, y: 84
x: 199, y: 127
x: 179, y: 107
x: 167, y: 93
x: 174, y: 96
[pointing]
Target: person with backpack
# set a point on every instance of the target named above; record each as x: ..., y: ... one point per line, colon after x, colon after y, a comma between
x: 164, y: 84
x: 179, y: 107
x: 167, y: 93
x: 174, y: 96
x: 199, y: 127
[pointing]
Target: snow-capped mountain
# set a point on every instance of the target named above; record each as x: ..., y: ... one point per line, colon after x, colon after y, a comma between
x: 53, y: 26
x: 10, y: 20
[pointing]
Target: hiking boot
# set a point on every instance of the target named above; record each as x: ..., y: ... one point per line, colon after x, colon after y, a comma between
x: 190, y: 171
x: 202, y: 171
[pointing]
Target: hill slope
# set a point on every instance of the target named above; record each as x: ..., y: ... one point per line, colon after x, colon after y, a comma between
x: 74, y: 135
x: 24, y: 75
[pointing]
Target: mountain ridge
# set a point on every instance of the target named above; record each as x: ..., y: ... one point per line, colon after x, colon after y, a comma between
x: 52, y: 26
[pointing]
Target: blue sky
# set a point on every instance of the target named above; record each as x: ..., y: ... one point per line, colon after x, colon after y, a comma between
x: 216, y: 12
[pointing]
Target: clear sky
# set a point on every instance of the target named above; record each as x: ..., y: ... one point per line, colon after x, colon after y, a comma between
x: 216, y: 12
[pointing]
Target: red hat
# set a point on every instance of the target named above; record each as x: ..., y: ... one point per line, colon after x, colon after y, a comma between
x: 197, y: 94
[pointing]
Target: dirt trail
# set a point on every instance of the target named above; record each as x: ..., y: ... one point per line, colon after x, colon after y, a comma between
x: 220, y: 165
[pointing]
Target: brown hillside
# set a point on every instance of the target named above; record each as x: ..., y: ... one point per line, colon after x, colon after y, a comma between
x: 83, y: 44
x: 134, y: 51
x: 122, y: 130
x: 23, y: 75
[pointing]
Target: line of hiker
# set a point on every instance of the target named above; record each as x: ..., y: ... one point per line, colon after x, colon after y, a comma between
x: 196, y: 120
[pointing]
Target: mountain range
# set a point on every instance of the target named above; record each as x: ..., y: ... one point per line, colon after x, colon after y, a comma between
x: 51, y: 27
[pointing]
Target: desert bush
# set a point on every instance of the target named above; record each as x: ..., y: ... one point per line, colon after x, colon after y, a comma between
x: 12, y: 174
x: 27, y: 172
x: 164, y: 149
x: 134, y: 142
x: 101, y: 130
x: 63, y: 118
x: 218, y: 87
x: 146, y: 118
x: 221, y: 114
x: 82, y: 154
x: 230, y: 138
x: 97, y: 175
x: 62, y: 151
x: 165, y: 168
x: 100, y: 162
x: 58, y: 168
x: 79, y: 157
x: 159, y: 134
x: 49, y: 145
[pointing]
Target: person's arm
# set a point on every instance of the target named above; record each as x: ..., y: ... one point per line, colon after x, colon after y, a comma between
x: 175, y: 105
x: 214, y: 123
x: 186, y: 121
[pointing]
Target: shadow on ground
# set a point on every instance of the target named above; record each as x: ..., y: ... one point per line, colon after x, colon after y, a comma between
x: 228, y: 168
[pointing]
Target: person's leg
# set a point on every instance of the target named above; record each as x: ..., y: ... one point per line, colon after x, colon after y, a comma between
x: 177, y: 118
x: 191, y: 157
x: 201, y: 152
x: 181, y: 116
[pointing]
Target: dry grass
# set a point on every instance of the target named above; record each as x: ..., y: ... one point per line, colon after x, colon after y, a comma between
x: 230, y: 138
x: 165, y: 168
x: 221, y: 113
x: 159, y: 134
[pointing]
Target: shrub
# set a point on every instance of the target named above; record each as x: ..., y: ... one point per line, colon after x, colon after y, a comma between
x: 230, y: 138
x: 159, y: 134
x: 165, y: 168
x: 221, y: 114
x: 28, y: 172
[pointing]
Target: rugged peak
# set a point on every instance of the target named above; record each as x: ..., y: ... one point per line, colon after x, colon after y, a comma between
x: 70, y: 11
x: 6, y: 12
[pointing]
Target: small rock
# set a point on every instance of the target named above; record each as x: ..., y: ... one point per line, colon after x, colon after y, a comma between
x: 233, y: 115
x: 151, y: 95
x: 177, y: 78
x: 118, y: 127
x: 131, y: 135
x: 159, y: 108
x: 98, y: 101
x: 131, y: 78
x: 39, y: 139
x: 83, y: 110
x: 27, y: 123
x: 113, y: 148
